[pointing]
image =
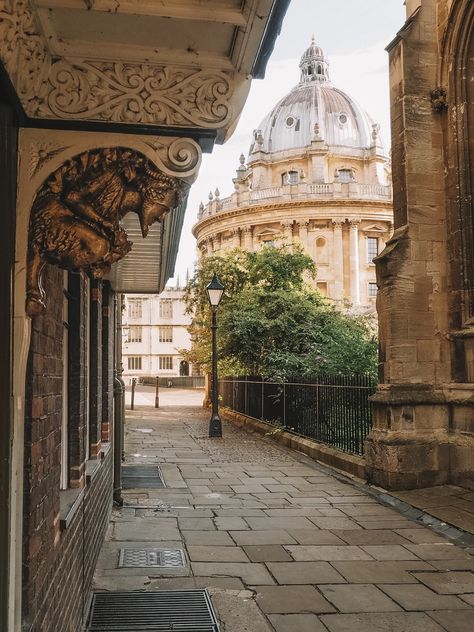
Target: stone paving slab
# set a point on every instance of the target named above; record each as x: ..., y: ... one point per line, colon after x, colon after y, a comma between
x: 296, y: 623
x: 382, y: 622
x: 359, y: 598
x: 291, y: 599
x: 282, y: 544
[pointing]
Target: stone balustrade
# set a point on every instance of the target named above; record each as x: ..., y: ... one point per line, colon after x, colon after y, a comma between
x: 301, y: 191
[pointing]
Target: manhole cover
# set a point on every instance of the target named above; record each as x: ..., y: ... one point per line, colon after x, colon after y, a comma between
x: 141, y: 476
x: 163, y: 610
x: 151, y: 558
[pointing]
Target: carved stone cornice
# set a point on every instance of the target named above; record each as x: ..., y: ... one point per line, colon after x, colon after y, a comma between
x: 257, y: 209
x: 107, y: 91
x: 75, y: 217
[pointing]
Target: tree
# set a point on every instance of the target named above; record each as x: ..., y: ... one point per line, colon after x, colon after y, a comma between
x: 272, y: 323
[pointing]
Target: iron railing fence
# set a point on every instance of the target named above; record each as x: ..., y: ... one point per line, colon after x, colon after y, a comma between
x: 332, y: 409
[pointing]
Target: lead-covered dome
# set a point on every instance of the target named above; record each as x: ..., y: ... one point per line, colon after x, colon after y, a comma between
x: 315, y: 111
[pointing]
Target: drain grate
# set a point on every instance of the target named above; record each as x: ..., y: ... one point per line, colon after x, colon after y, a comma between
x: 140, y: 476
x: 151, y: 558
x: 164, y: 610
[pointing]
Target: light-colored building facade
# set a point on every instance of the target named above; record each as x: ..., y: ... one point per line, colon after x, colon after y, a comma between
x: 155, y: 331
x: 317, y: 173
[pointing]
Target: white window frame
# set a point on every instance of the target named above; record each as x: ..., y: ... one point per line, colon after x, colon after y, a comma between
x: 64, y: 478
x: 134, y: 361
x: 166, y: 303
x: 369, y: 286
x: 161, y: 362
x: 371, y: 239
x: 135, y: 333
x: 162, y: 337
x: 135, y: 308
x: 87, y: 351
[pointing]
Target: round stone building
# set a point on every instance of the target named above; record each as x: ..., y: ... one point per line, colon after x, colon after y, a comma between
x: 317, y: 173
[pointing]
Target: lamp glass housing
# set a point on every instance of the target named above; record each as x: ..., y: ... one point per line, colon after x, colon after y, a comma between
x: 215, y: 289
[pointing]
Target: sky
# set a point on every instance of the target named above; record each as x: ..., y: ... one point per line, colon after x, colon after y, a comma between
x: 353, y: 35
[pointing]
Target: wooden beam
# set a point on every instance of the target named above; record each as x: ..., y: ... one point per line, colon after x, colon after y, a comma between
x: 222, y: 11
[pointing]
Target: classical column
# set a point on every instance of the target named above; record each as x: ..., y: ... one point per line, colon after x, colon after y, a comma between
x: 303, y: 232
x: 288, y: 231
x: 217, y: 242
x: 338, y: 261
x: 248, y: 238
x: 354, y: 260
x: 210, y: 245
x: 235, y: 238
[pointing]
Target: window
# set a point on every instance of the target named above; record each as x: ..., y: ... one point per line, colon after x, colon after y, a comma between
x: 135, y: 334
x: 290, y: 177
x: 65, y: 400
x: 166, y: 363
x: 372, y: 290
x: 372, y: 248
x: 345, y: 175
x: 134, y: 363
x: 165, y: 334
x: 135, y: 308
x: 166, y: 308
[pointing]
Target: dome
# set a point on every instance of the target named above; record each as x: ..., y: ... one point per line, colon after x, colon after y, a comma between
x: 315, y: 111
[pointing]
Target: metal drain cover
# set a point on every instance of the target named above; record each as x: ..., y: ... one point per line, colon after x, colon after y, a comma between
x: 152, y: 558
x: 141, y: 476
x: 159, y: 611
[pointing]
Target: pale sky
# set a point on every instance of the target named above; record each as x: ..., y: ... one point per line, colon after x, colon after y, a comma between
x: 353, y: 35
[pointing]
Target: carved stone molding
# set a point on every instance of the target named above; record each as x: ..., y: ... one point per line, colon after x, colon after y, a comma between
x: 108, y: 91
x: 75, y: 218
x: 40, y: 153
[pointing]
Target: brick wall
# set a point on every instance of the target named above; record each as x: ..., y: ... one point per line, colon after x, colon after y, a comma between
x: 107, y: 361
x: 59, y: 562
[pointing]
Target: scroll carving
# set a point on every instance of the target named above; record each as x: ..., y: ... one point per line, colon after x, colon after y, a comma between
x: 108, y: 91
x: 75, y: 218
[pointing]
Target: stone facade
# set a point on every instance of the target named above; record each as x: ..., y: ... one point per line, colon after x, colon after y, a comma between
x: 318, y: 174
x: 156, y: 332
x: 424, y: 407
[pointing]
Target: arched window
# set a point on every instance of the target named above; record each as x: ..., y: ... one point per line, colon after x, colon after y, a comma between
x: 345, y: 175
x: 290, y: 177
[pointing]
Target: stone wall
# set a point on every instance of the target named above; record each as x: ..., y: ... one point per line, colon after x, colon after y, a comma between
x: 417, y: 440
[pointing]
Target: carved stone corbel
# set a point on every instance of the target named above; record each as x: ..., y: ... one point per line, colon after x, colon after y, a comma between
x: 75, y: 217
x: 439, y: 99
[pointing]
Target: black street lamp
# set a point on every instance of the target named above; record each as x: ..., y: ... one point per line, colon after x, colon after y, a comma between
x: 215, y: 289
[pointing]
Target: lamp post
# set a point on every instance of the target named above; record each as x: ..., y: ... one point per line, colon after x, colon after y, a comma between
x: 215, y: 289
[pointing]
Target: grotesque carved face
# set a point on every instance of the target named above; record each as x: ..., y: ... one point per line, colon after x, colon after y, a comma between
x: 159, y: 196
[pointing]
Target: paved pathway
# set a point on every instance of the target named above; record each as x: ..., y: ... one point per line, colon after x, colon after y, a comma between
x: 281, y: 543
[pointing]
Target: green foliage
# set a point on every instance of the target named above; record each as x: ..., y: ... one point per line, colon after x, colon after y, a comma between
x: 271, y: 322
